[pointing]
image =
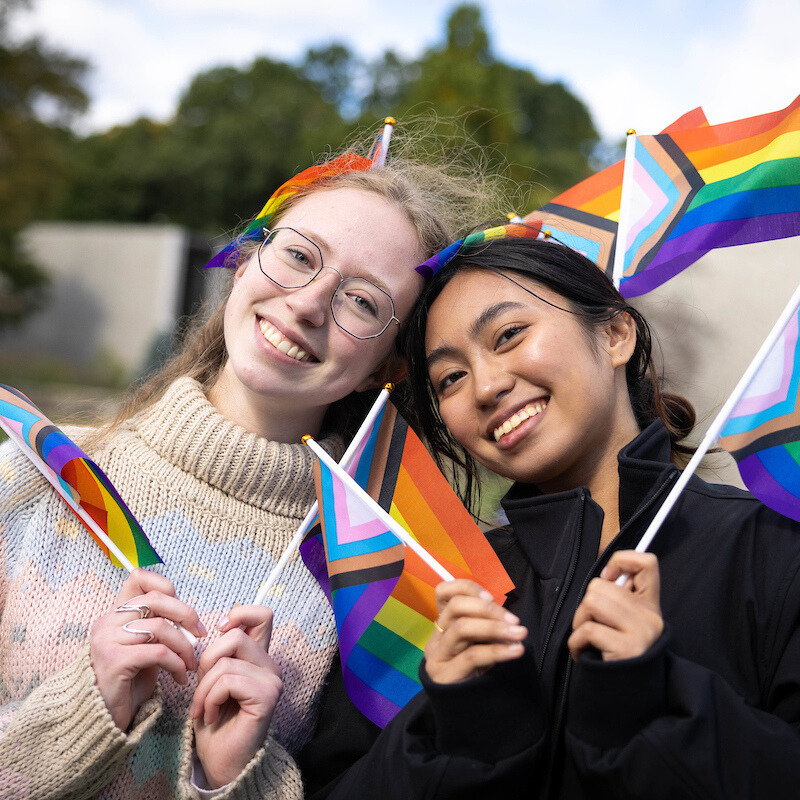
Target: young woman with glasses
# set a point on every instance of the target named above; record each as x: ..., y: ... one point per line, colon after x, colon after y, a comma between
x: 102, y: 695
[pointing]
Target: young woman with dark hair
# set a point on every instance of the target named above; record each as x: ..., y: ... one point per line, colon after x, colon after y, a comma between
x: 684, y: 682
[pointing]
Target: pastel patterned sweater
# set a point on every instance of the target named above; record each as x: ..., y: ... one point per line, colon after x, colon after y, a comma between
x: 219, y: 505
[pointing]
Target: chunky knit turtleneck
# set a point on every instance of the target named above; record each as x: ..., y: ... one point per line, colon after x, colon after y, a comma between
x: 219, y: 504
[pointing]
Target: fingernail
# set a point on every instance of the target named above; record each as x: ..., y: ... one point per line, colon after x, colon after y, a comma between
x: 223, y: 622
x: 201, y: 628
x: 516, y: 630
x: 510, y: 618
x: 484, y: 595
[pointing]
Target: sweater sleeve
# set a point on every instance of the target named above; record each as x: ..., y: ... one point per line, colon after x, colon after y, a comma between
x: 61, y: 742
x: 271, y: 774
x: 680, y: 730
x: 476, y: 739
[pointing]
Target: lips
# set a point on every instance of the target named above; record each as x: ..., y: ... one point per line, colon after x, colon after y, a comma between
x: 283, y: 343
x: 516, y: 419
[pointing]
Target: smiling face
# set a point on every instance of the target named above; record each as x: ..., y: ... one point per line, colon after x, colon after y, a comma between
x: 525, y: 386
x: 287, y: 358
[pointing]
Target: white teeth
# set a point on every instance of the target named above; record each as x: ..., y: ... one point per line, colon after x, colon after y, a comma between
x: 281, y: 343
x: 530, y: 410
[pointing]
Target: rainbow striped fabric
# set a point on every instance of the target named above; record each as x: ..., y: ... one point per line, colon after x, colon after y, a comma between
x: 585, y: 217
x: 763, y: 432
x: 530, y: 230
x: 713, y: 186
x: 382, y: 593
x: 347, y: 162
x: 78, y: 479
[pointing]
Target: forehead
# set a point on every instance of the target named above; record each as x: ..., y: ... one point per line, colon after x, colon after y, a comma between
x: 469, y: 296
x: 361, y: 233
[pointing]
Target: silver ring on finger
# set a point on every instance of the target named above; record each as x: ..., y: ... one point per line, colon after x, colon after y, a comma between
x: 142, y: 609
x: 127, y: 627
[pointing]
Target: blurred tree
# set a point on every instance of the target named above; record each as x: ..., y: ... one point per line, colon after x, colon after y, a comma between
x: 236, y: 135
x: 335, y: 71
x: 543, y: 130
x: 40, y: 93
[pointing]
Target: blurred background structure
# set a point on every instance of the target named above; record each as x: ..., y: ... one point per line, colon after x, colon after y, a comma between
x: 104, y: 229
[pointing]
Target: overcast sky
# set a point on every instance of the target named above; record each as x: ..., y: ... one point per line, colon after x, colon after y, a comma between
x: 635, y: 63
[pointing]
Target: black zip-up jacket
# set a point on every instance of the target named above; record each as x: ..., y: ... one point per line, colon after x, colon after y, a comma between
x: 712, y: 710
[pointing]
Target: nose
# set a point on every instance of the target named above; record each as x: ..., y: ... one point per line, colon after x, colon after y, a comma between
x: 491, y: 382
x: 312, y: 303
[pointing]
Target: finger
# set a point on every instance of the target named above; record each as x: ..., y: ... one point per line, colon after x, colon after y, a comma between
x: 447, y: 590
x: 139, y: 657
x: 250, y: 691
x: 644, y: 565
x: 607, y: 604
x: 235, y: 644
x: 473, y: 661
x: 612, y: 644
x: 169, y: 607
x: 256, y: 622
x: 164, y: 633
x: 466, y: 632
x: 477, y: 607
x: 141, y: 581
x: 268, y: 676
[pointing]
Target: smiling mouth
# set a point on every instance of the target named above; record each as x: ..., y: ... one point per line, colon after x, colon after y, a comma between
x: 516, y: 419
x: 282, y: 343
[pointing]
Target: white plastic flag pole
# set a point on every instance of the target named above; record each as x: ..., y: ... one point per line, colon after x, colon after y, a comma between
x: 79, y: 511
x: 714, y: 430
x: 347, y: 458
x: 625, y: 209
x: 398, y: 530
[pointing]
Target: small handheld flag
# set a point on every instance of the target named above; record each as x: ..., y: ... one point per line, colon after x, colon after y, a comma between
x: 82, y: 484
x: 393, y: 466
x: 759, y: 424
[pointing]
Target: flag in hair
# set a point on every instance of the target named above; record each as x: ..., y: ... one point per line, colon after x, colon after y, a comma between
x: 694, y: 190
x: 530, y: 230
x: 82, y: 484
x: 347, y: 162
x: 585, y: 216
x: 397, y: 471
x: 763, y: 431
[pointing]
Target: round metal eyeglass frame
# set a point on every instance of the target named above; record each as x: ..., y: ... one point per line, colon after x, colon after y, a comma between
x: 267, y: 234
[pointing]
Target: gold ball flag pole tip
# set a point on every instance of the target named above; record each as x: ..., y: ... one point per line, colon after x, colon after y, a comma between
x: 388, y: 386
x: 307, y: 438
x: 631, y: 132
x: 390, y: 121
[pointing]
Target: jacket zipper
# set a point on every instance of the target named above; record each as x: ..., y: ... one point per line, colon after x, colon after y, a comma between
x: 562, y: 703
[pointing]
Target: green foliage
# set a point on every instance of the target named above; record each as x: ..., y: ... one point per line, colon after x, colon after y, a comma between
x: 238, y: 133
x: 40, y: 92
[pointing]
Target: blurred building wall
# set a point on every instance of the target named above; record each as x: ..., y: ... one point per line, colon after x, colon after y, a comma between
x: 116, y: 290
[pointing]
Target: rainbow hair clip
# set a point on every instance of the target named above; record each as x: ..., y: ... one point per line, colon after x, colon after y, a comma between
x: 515, y: 229
x: 347, y: 162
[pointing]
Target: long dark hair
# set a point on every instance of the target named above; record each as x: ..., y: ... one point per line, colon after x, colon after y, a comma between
x: 589, y: 294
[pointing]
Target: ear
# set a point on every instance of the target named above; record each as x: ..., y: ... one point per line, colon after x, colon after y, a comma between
x: 393, y: 369
x: 620, y: 333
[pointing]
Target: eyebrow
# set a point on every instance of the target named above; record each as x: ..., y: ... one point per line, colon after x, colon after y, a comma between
x: 320, y: 242
x: 477, y: 327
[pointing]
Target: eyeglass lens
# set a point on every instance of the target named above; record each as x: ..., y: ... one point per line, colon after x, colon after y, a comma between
x: 292, y: 261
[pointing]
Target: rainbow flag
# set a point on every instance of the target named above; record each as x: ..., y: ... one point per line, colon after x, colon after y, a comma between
x: 82, y: 484
x: 346, y: 162
x: 585, y: 217
x: 763, y: 431
x: 395, y: 619
x: 694, y: 190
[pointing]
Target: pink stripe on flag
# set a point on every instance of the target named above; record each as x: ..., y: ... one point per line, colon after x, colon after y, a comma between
x: 348, y: 530
x: 655, y: 197
x: 755, y: 404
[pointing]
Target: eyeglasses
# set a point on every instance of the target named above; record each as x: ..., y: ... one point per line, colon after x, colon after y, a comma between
x: 292, y: 261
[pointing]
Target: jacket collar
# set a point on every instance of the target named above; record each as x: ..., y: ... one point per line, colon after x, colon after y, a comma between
x: 553, y: 520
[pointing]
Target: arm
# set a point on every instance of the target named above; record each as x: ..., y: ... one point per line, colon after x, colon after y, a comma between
x: 680, y: 730
x: 478, y: 733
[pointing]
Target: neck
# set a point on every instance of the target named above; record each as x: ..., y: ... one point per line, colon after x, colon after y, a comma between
x: 265, y: 416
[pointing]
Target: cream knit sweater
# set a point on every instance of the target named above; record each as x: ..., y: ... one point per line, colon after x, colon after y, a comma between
x: 219, y: 505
